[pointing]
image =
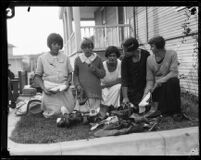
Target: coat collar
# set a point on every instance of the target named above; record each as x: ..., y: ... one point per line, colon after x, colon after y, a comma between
x: 87, y: 60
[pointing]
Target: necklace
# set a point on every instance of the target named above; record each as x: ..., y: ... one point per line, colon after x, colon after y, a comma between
x: 160, y: 57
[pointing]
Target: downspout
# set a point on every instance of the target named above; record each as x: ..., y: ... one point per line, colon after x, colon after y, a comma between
x: 147, y: 29
x: 134, y: 22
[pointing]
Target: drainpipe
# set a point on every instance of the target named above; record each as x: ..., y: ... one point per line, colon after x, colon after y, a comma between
x: 76, y: 18
x: 134, y: 21
x: 69, y: 20
x: 66, y: 35
x: 69, y: 28
x: 147, y: 29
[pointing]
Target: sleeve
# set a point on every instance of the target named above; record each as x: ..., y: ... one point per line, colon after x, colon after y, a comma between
x: 76, y: 73
x: 39, y: 68
x: 124, y: 73
x: 150, y: 75
x: 100, y: 71
x: 69, y: 67
x: 174, y: 63
x: 119, y: 71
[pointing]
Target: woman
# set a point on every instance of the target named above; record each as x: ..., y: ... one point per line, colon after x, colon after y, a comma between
x: 88, y: 70
x: 53, y: 74
x: 162, y: 77
x: 133, y: 71
x: 111, y: 83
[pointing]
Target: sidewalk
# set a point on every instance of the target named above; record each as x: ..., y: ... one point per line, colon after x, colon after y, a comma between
x: 173, y: 142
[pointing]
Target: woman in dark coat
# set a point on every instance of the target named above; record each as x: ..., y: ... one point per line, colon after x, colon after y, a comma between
x: 133, y: 71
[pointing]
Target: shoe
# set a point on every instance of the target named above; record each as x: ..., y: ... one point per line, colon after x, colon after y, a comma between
x: 154, y: 114
x: 12, y: 105
x: 63, y: 122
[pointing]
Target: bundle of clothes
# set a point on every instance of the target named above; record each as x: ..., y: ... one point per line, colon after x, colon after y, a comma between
x: 28, y: 102
x: 111, y: 121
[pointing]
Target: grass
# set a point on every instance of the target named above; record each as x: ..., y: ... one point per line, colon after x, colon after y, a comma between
x: 37, y: 129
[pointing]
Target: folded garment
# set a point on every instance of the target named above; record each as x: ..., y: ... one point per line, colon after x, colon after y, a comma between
x: 145, y: 101
x: 107, y: 121
x: 113, y: 132
x: 52, y: 86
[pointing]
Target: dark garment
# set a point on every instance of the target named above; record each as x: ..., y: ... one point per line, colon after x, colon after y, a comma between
x: 133, y: 76
x: 168, y: 96
x: 34, y: 84
x: 10, y: 95
x: 90, y: 81
x: 11, y: 75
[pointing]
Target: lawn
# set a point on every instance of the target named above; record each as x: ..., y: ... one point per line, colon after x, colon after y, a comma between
x: 37, y: 129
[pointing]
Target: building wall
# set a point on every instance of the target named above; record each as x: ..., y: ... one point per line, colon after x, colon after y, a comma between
x: 129, y: 19
x: 16, y: 65
x: 110, y: 16
x: 168, y: 22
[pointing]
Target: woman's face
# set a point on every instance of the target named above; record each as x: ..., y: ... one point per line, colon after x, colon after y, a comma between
x: 87, y: 51
x: 112, y: 58
x: 55, y: 47
x: 154, y: 49
x: 131, y: 53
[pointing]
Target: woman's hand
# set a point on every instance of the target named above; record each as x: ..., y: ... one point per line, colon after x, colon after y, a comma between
x: 47, y: 91
x: 126, y: 100
x: 105, y: 86
x: 92, y: 67
x: 78, y: 87
x: 67, y: 86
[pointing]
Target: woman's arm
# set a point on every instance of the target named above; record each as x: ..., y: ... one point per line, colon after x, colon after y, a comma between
x: 112, y: 83
x: 98, y: 71
x: 149, y: 78
x: 173, y: 70
x: 76, y: 74
x: 124, y: 81
x: 39, y: 81
x: 125, y: 94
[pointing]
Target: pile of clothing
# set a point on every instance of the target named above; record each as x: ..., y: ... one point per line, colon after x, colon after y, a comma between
x: 110, y: 121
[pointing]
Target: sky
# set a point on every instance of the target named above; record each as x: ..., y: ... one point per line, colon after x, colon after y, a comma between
x: 28, y: 31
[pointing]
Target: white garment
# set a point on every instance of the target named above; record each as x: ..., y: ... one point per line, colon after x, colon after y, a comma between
x: 87, y: 60
x: 111, y: 96
x: 91, y: 103
x: 54, y: 86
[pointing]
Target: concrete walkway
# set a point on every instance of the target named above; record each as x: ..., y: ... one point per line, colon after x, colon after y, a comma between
x: 173, y: 142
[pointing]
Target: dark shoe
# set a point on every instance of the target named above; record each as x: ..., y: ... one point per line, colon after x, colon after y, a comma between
x: 154, y: 114
x: 12, y: 105
x: 63, y: 122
